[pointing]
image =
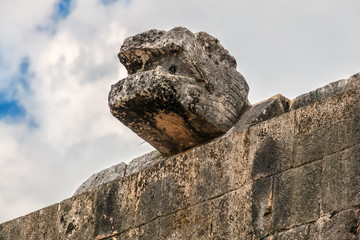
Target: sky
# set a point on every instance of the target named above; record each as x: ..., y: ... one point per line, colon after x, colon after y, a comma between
x: 58, y: 59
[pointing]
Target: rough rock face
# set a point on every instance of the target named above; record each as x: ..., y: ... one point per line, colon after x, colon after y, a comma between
x: 102, y: 177
x: 259, y: 112
x: 182, y: 90
x: 325, y: 91
x: 119, y: 170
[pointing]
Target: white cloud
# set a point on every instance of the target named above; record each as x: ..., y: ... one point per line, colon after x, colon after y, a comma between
x: 18, y: 17
x: 76, y: 134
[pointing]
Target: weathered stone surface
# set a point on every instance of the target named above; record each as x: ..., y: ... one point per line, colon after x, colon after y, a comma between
x: 73, y: 218
x: 318, y: 94
x: 296, y: 196
x: 271, y: 143
x: 142, y: 162
x: 120, y: 170
x: 353, y: 82
x: 262, y: 207
x: 340, y: 225
x: 297, y: 233
x: 264, y: 182
x: 325, y: 91
x: 341, y: 178
x: 261, y: 111
x: 104, y: 176
x: 321, y: 130
x: 182, y: 90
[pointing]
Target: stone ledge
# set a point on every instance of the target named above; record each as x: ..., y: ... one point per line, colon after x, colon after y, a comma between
x: 326, y: 91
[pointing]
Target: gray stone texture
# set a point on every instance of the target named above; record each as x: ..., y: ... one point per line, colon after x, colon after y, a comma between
x: 182, y: 90
x: 296, y: 196
x: 341, y: 178
x: 259, y: 112
x: 320, y: 133
x: 119, y: 170
x: 339, y: 225
x: 104, y: 176
x: 144, y: 161
x: 326, y: 91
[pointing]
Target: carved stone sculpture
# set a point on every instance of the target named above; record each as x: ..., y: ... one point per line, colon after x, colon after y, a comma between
x: 183, y: 89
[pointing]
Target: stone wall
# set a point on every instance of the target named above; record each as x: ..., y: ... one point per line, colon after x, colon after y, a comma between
x: 295, y: 176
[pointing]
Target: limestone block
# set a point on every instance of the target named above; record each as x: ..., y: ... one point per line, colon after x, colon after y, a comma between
x: 341, y: 180
x: 225, y: 217
x: 296, y: 196
x: 261, y: 111
x: 191, y: 223
x: 271, y: 145
x: 339, y: 225
x: 104, y: 176
x: 326, y: 91
x: 120, y: 170
x: 74, y: 218
x: 232, y: 215
x: 182, y: 90
x: 262, y: 206
x: 327, y: 127
x: 297, y: 233
x: 335, y: 226
x: 353, y: 81
x: 142, y: 162
x: 318, y: 94
x: 115, y: 207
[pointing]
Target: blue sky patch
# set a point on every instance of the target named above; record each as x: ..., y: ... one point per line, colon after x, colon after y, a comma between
x: 11, y: 110
x: 62, y: 9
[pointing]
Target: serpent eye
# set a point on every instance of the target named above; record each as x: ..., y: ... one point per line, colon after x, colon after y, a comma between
x: 172, y: 69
